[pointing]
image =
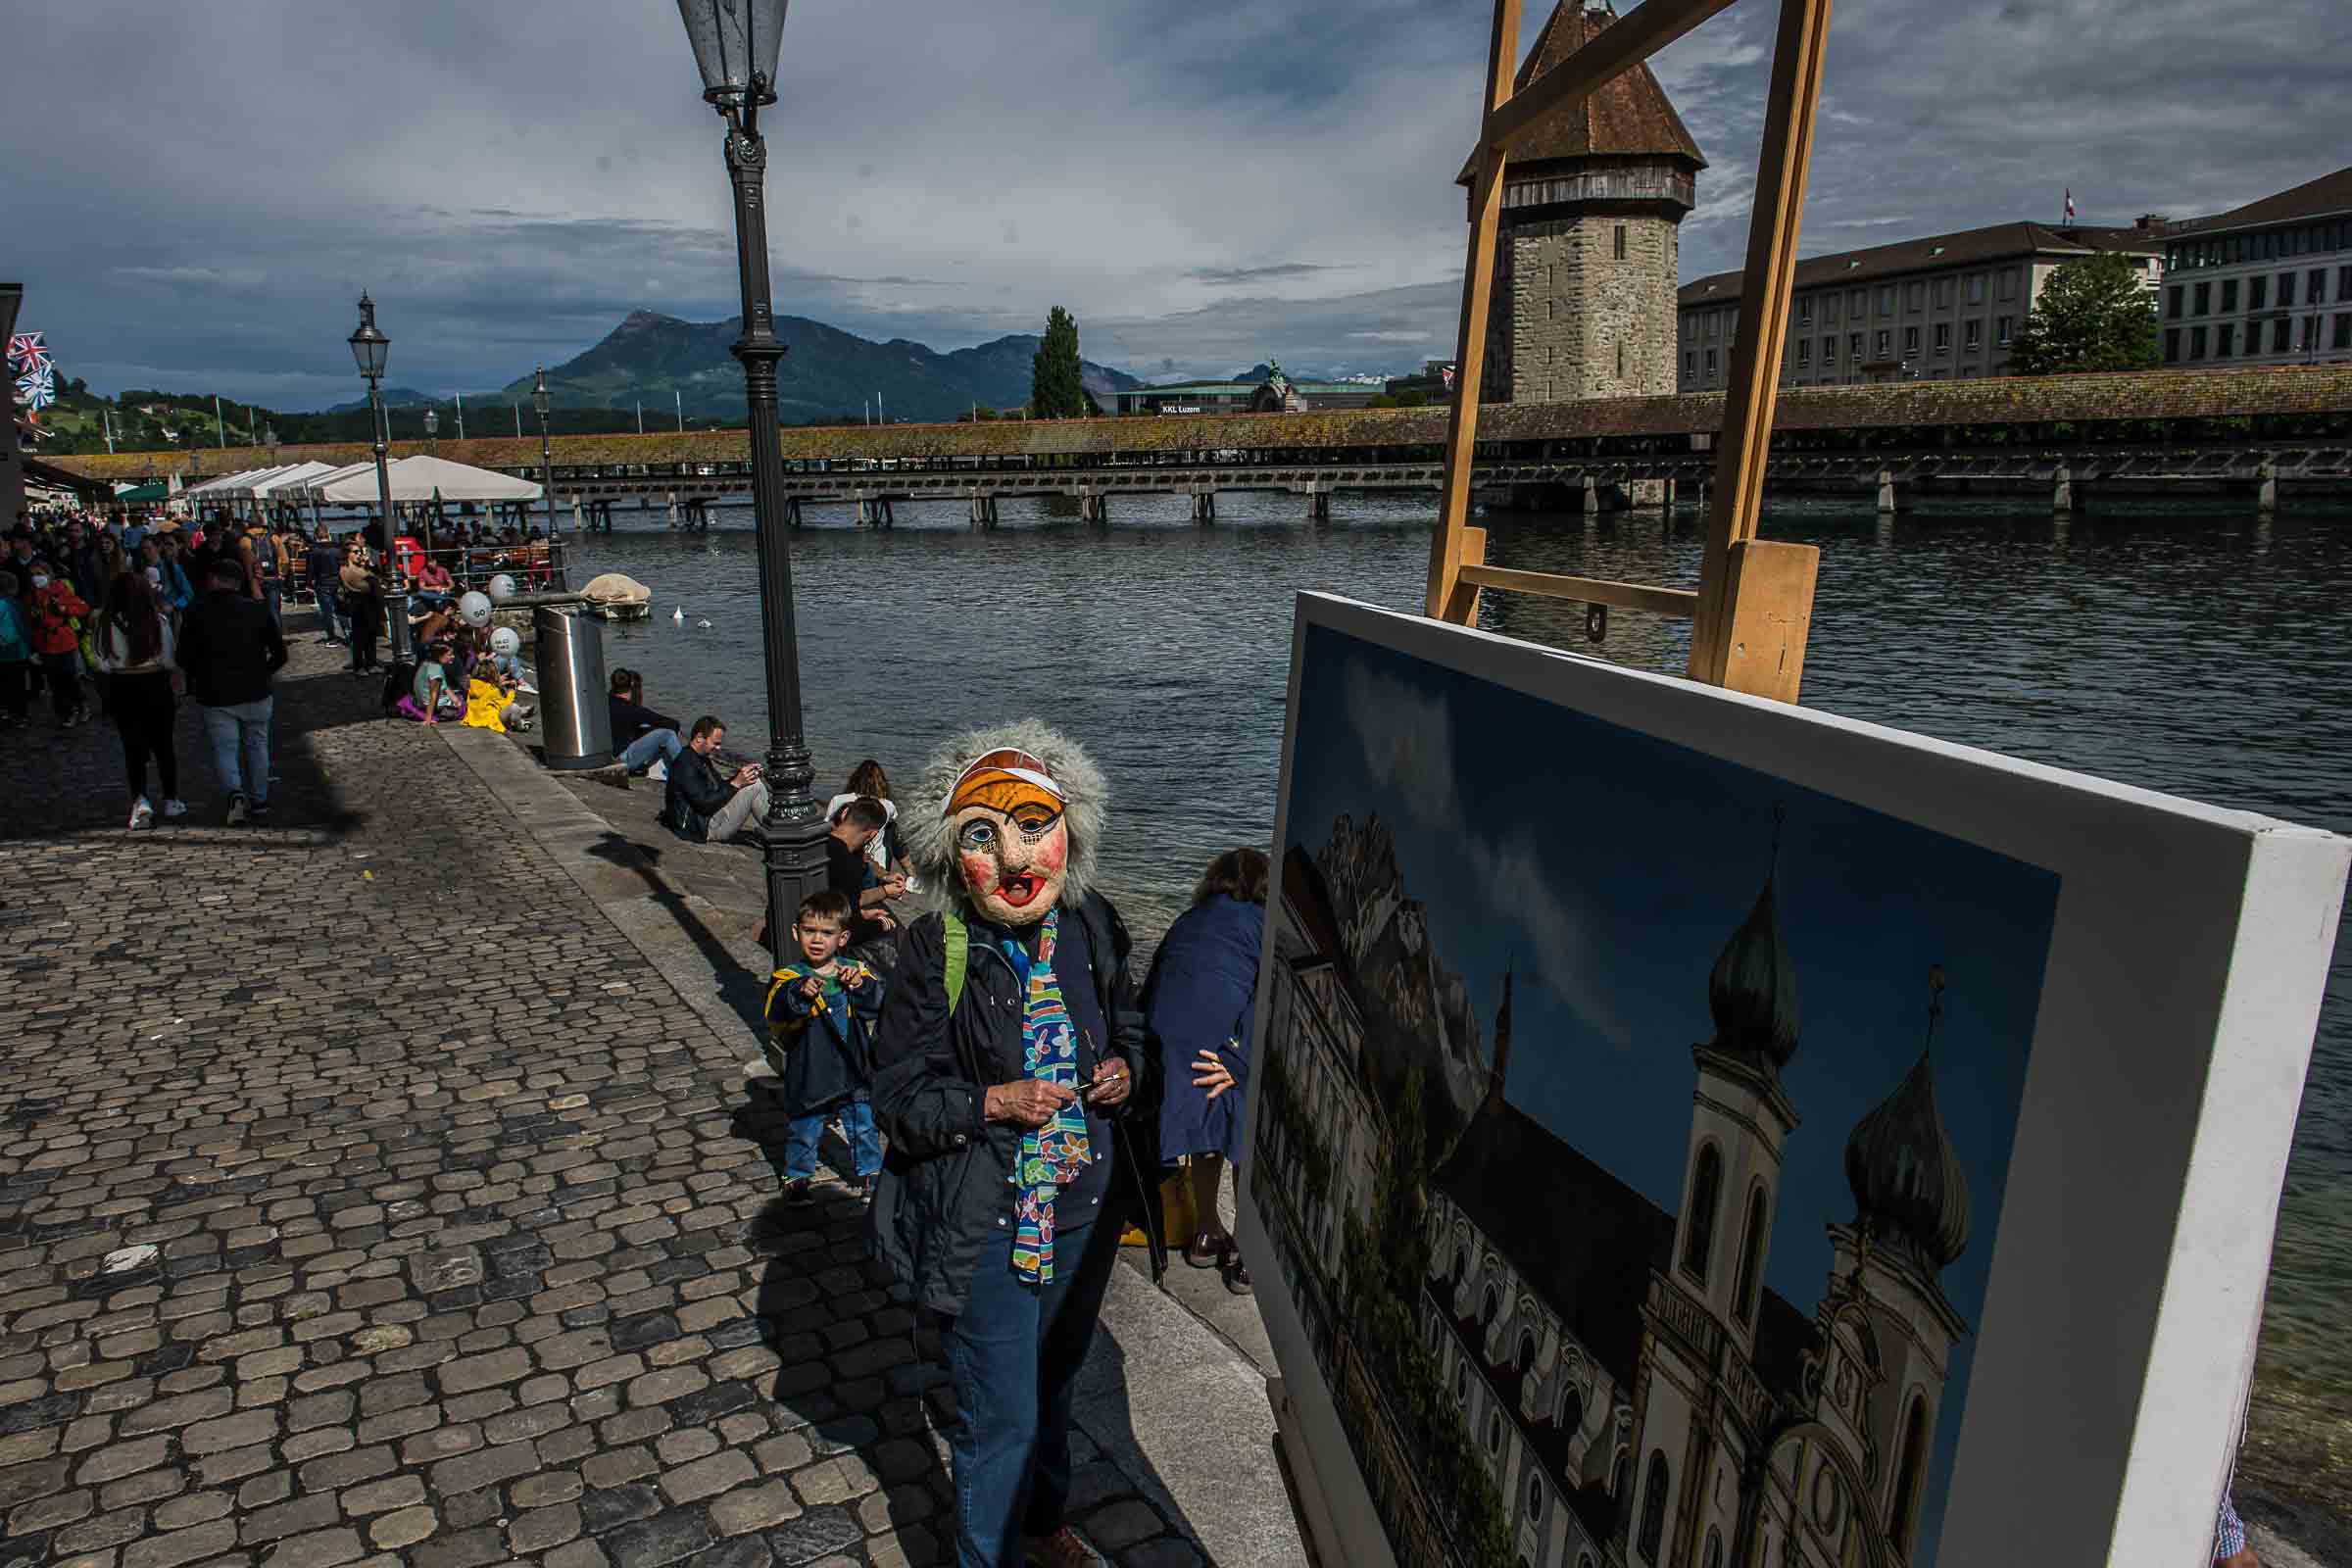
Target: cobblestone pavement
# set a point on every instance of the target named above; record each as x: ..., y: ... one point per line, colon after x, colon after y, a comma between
x: 366, y: 1196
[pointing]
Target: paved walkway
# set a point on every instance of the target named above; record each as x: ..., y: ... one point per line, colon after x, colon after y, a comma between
x: 368, y: 1187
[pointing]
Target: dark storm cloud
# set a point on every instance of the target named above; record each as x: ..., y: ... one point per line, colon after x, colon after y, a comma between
x: 202, y: 209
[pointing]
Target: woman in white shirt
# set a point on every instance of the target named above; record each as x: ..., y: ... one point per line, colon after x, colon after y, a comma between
x: 135, y: 650
x: 889, y: 860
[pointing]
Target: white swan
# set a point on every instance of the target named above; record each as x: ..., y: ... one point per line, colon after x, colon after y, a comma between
x: 678, y: 617
x: 701, y: 626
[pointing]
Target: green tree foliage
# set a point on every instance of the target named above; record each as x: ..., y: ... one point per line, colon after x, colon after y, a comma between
x: 2093, y: 315
x: 1056, y: 388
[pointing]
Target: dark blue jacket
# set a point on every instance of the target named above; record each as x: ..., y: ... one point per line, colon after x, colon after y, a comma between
x: 1202, y: 996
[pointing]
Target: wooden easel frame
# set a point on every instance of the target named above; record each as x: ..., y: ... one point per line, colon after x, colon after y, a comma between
x: 1753, y: 607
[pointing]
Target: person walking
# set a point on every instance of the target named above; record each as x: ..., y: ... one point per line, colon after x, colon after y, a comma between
x: 135, y: 650
x: 1199, y: 1006
x: 325, y: 570
x: 56, y: 612
x: 16, y: 654
x: 362, y: 604
x: 1005, y: 1061
x: 229, y: 648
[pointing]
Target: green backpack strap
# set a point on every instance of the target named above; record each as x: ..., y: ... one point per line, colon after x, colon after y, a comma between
x: 958, y: 953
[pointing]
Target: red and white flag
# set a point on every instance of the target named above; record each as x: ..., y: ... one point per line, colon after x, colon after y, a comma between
x: 2070, y: 206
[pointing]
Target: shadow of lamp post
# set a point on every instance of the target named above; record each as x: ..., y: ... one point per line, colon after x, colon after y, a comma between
x: 736, y: 43
x: 370, y: 348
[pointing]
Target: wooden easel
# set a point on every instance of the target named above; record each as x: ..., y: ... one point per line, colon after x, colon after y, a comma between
x: 1753, y: 606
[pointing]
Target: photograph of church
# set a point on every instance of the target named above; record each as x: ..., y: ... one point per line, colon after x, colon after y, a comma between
x: 1633, y: 1131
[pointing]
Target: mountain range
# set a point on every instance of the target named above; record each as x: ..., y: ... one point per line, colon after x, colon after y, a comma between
x: 667, y: 361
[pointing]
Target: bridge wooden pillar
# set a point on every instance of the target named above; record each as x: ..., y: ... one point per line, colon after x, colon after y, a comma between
x: 673, y: 511
x: 1753, y: 608
x: 2266, y: 487
x: 2062, y: 492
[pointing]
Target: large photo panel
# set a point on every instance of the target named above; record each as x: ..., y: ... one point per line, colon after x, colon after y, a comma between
x: 1679, y: 1134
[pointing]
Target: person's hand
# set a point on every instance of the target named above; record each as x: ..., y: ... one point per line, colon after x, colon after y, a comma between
x: 745, y: 773
x: 1112, y: 1084
x: 813, y: 988
x: 894, y: 885
x: 2242, y: 1559
x: 1030, y: 1103
x: 1211, y: 1073
x: 853, y: 976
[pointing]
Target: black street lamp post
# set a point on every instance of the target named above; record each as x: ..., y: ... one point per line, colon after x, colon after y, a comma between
x: 370, y: 348
x: 736, y: 44
x: 547, y: 455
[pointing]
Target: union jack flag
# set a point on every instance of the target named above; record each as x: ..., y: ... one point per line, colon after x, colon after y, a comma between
x: 1447, y: 370
x: 37, y: 389
x: 27, y: 353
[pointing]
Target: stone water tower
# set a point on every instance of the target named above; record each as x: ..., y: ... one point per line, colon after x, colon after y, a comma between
x: 1588, y: 255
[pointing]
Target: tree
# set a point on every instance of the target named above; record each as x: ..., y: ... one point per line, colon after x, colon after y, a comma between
x: 2093, y: 315
x: 1056, y: 389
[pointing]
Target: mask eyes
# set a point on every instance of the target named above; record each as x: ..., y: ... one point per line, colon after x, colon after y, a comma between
x: 1034, y: 822
x: 979, y: 835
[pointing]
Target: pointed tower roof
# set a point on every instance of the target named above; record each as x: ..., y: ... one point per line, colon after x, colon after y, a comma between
x: 1629, y: 118
x: 1905, y: 1175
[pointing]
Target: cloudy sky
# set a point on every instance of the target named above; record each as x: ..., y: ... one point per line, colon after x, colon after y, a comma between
x: 196, y: 194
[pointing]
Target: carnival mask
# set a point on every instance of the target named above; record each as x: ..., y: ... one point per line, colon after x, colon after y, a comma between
x: 1012, y: 844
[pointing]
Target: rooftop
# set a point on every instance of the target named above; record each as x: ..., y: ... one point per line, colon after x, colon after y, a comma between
x: 1969, y: 247
x: 1627, y: 117
x: 2326, y: 196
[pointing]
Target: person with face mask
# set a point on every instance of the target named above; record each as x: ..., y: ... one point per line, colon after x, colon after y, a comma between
x: 1007, y: 1061
x: 56, y: 611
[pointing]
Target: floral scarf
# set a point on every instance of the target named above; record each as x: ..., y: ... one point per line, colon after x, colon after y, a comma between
x: 1051, y: 1156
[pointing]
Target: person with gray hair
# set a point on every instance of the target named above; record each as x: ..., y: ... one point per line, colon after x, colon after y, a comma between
x: 1008, y: 1061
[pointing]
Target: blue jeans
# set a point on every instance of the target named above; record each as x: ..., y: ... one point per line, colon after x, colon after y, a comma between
x: 639, y: 754
x: 241, y: 730
x: 803, y: 1134
x: 327, y: 612
x: 1015, y: 1352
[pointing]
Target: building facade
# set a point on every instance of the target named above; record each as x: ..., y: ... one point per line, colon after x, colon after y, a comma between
x: 1944, y: 308
x: 1590, y: 242
x: 2266, y: 283
x: 1278, y: 394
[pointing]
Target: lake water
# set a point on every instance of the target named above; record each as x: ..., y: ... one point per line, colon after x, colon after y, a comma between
x: 2194, y: 651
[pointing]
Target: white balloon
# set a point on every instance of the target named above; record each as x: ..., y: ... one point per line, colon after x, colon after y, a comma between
x: 502, y: 588
x: 474, y: 610
x: 506, y: 642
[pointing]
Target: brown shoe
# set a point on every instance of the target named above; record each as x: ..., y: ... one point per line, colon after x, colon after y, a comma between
x: 1237, y: 1276
x: 1207, y: 1250
x: 1063, y: 1549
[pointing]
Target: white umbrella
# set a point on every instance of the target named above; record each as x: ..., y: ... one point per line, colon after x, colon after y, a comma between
x: 419, y: 478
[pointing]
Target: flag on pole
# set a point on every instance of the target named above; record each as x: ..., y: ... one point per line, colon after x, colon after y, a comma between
x: 2069, y: 205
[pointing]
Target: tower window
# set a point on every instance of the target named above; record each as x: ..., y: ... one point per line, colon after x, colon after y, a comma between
x: 1751, y: 1259
x: 1620, y: 242
x: 1620, y: 362
x: 1653, y: 1508
x: 1909, y: 1471
x: 1698, y: 1220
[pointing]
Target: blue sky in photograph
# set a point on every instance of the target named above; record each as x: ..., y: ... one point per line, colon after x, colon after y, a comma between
x: 1610, y: 868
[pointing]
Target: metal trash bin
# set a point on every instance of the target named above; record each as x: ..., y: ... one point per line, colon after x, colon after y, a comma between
x: 573, y: 711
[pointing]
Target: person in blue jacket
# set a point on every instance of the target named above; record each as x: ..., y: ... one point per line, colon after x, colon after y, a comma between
x: 1200, y: 1005
x: 820, y: 1015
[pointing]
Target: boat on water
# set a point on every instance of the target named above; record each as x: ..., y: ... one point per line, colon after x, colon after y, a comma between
x: 617, y: 596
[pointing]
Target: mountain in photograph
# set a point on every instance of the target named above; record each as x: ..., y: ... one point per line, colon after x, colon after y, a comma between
x: 1424, y: 1014
x: 828, y: 372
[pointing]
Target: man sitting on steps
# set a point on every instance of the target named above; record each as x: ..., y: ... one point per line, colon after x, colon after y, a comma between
x: 641, y: 737
x: 699, y: 803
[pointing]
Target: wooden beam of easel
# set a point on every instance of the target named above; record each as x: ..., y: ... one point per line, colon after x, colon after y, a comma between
x: 1616, y: 49
x: 1448, y: 598
x: 1753, y: 392
x: 1682, y: 601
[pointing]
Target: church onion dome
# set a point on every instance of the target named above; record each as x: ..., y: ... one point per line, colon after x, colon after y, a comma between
x: 1752, y: 989
x: 1905, y: 1175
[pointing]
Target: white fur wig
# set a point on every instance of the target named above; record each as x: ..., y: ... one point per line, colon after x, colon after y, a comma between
x: 931, y: 837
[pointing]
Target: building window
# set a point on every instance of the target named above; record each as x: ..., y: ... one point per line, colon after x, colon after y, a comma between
x: 2008, y: 283
x: 1829, y: 353
x: 1886, y: 299
x: 1829, y: 307
x: 1652, y: 1534
x: 1943, y: 338
x: 1619, y: 1474
x: 2223, y: 336
x: 2343, y: 284
x: 1620, y: 242
x: 2001, y: 330
x: 1461, y: 1383
x: 1853, y: 346
x: 1915, y: 296
x: 1910, y: 340
x: 2287, y: 289
x: 1689, y: 362
x: 1804, y: 308
x: 2258, y: 292
x: 2228, y: 295
x: 1572, y: 1412
x: 1804, y: 350
x: 1909, y: 1471
x: 2204, y: 305
x: 1714, y: 324
x: 2171, y: 301
x: 1885, y: 342
x: 1698, y: 1222
x: 1972, y: 337
x: 2279, y: 330
x: 1620, y: 362
x: 2196, y: 341
x: 2172, y: 345
x: 2343, y: 331
x: 2315, y: 287
x: 1751, y: 1259
x: 1494, y: 1433
x: 1534, y: 1500
x: 1710, y: 361
x: 1714, y: 1557
x: 1975, y: 288
x: 1943, y: 292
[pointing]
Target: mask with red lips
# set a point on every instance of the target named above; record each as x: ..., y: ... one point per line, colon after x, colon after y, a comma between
x: 1012, y: 844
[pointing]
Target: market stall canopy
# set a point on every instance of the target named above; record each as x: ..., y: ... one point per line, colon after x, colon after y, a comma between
x: 218, y: 483
x: 144, y: 495
x: 287, y: 480
x: 53, y: 477
x: 243, y: 484
x: 318, y: 483
x: 422, y: 479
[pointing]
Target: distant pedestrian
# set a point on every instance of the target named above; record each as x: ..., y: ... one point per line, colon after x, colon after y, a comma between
x: 135, y: 650
x: 1198, y: 1005
x: 697, y: 802
x: 16, y: 654
x: 820, y: 1017
x: 887, y: 851
x: 641, y: 737
x: 362, y: 604
x: 229, y: 648
x: 56, y: 614
x: 323, y: 569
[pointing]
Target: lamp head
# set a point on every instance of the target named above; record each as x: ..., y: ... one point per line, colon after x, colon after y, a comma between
x: 736, y: 44
x: 539, y: 397
x: 433, y: 421
x: 369, y: 346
